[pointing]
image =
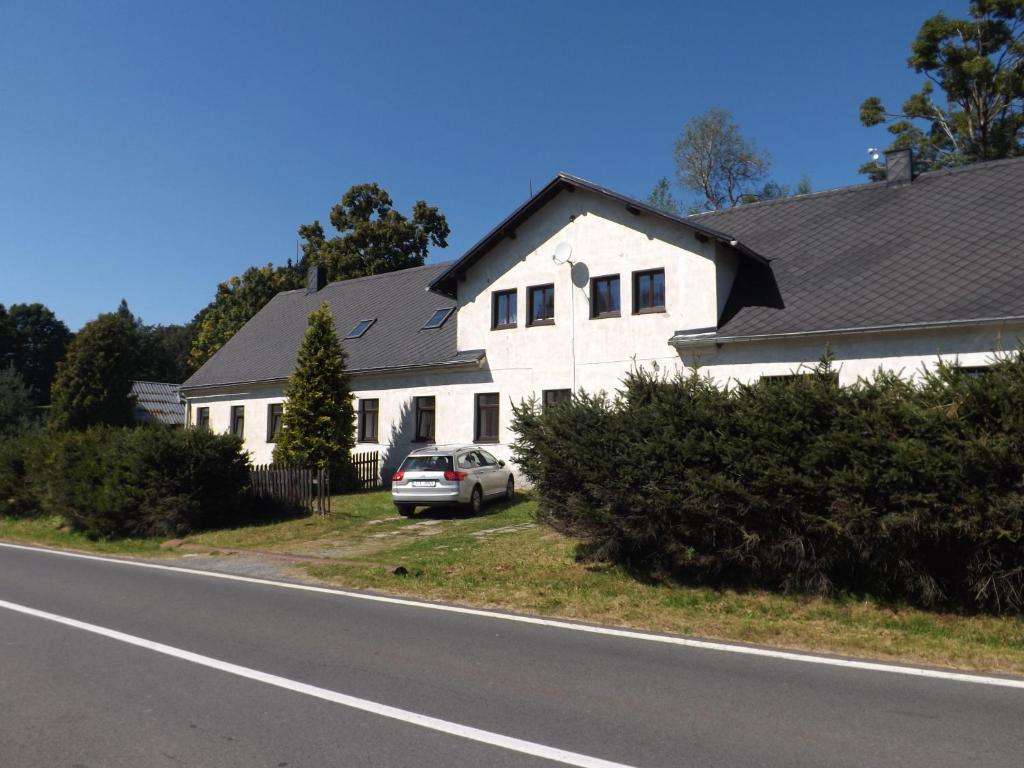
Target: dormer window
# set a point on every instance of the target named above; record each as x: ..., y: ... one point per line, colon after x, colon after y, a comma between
x: 361, y: 327
x: 437, y: 319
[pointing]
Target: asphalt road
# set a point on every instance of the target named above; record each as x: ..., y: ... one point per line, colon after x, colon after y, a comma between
x: 315, y: 674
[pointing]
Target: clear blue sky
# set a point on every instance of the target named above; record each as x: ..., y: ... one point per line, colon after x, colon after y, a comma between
x: 151, y: 150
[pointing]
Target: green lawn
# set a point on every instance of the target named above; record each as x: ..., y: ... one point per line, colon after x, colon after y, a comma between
x: 503, y: 560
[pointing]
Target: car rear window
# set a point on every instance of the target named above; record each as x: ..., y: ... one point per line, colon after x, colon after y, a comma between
x: 427, y: 464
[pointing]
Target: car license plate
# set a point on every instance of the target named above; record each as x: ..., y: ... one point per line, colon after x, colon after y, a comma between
x: 422, y: 483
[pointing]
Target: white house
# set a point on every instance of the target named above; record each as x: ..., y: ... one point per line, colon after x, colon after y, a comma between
x: 580, y: 284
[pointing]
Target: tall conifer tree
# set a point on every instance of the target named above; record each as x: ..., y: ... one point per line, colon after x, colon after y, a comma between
x: 318, y: 426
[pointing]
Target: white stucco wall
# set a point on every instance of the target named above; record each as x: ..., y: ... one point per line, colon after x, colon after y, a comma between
x: 858, y: 355
x: 256, y: 400
x: 592, y: 353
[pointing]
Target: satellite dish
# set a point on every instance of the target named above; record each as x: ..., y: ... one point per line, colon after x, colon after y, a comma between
x: 562, y: 253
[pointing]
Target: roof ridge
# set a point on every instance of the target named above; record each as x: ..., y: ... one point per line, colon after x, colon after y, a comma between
x: 390, y: 273
x: 865, y: 186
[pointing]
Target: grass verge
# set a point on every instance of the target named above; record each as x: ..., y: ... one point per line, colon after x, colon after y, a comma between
x: 502, y: 560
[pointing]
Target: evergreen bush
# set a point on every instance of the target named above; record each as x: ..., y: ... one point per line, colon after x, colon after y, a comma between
x: 22, y: 469
x: 148, y: 481
x: 110, y: 482
x: 908, y: 491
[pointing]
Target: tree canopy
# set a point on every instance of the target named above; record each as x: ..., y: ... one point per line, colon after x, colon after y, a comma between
x: 971, y: 104
x: 164, y: 353
x: 236, y: 301
x: 721, y: 166
x: 372, y: 236
x: 661, y: 197
x: 93, y: 382
x: 33, y: 340
x: 318, y: 424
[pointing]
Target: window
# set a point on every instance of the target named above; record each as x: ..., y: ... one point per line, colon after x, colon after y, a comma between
x: 203, y: 418
x: 604, y: 296
x: 238, y: 420
x: 552, y: 397
x: 503, y: 311
x: 424, y: 420
x: 475, y: 459
x: 274, y: 413
x: 649, y: 291
x: 437, y: 319
x: 470, y: 460
x: 487, y: 418
x: 361, y: 327
x: 794, y: 378
x: 542, y: 305
x: 368, y: 408
x: 427, y: 464
x: 973, y: 370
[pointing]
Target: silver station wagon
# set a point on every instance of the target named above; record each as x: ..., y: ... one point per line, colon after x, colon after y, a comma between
x: 450, y: 474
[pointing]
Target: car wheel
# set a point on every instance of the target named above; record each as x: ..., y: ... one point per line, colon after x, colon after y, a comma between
x: 405, y: 510
x: 510, y: 489
x: 476, y: 500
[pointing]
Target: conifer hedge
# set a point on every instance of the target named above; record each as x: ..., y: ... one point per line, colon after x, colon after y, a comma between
x: 110, y: 482
x: 911, y: 492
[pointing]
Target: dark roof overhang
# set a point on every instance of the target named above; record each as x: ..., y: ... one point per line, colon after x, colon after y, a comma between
x: 703, y: 337
x: 470, y: 359
x: 446, y: 283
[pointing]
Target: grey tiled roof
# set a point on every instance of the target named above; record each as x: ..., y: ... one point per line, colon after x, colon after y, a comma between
x: 947, y: 246
x: 157, y: 403
x: 266, y: 347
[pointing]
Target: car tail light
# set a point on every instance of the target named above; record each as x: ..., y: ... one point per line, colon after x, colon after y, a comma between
x: 449, y: 475
x: 398, y: 476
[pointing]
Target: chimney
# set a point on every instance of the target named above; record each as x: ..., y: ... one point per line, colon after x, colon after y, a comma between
x: 899, y: 166
x: 316, y: 278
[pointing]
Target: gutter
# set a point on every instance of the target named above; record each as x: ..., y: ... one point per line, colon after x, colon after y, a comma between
x: 449, y: 364
x: 685, y: 341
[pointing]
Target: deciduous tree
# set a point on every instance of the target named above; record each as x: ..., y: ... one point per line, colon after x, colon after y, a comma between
x: 971, y: 105
x: 93, y: 382
x: 372, y: 236
x: 715, y: 160
x: 33, y: 340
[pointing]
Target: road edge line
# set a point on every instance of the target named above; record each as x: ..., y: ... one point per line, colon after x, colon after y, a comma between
x: 709, y: 645
x: 448, y: 727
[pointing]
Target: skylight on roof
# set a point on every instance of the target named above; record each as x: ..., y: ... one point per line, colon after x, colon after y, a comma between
x: 361, y: 327
x: 437, y: 319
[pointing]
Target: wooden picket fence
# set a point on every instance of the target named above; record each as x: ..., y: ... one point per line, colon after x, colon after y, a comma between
x: 367, y: 469
x: 307, y: 488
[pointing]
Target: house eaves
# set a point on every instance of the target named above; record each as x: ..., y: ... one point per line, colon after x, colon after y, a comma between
x: 446, y: 284
x: 470, y: 359
x: 689, y: 340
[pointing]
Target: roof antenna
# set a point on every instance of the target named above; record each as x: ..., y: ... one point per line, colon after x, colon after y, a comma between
x: 531, y: 187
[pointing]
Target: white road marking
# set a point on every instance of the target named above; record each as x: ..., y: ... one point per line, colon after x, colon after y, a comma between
x: 414, y: 718
x: 708, y: 645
